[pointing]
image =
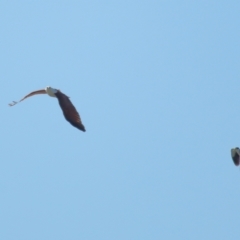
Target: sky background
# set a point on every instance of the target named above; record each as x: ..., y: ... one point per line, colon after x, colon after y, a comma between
x: 157, y: 85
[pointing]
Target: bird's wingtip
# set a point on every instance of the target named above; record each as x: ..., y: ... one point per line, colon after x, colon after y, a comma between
x: 82, y: 128
x: 12, y: 104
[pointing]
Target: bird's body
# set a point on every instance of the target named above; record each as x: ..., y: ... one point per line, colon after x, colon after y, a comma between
x: 51, y: 91
x: 69, y: 111
x: 235, y: 152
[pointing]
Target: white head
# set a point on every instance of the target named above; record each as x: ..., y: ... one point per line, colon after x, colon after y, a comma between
x: 51, y: 91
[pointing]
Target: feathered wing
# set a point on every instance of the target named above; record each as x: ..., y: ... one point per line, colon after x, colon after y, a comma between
x: 29, y: 95
x: 69, y: 111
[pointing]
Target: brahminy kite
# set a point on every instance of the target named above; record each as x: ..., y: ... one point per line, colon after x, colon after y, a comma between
x: 69, y: 111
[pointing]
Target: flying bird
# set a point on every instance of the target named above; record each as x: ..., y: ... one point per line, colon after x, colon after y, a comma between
x: 235, y: 152
x: 69, y: 111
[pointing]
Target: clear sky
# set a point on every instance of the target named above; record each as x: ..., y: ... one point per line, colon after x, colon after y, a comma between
x: 157, y: 85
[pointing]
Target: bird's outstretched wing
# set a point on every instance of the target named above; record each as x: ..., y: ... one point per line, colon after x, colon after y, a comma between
x: 69, y: 111
x: 43, y: 91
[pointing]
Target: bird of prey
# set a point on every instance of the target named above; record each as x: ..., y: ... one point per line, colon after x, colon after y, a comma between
x: 235, y: 152
x: 69, y: 111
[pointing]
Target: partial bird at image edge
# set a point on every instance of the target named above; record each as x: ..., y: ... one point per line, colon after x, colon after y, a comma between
x: 235, y: 153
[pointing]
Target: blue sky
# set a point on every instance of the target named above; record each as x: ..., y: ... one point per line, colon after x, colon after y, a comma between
x: 157, y: 86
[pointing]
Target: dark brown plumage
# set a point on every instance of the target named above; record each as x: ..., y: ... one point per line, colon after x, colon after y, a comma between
x: 69, y: 111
